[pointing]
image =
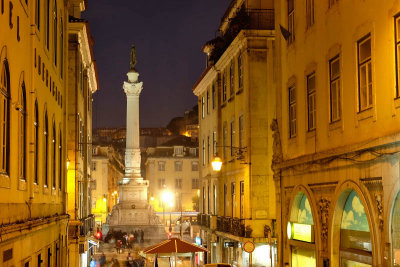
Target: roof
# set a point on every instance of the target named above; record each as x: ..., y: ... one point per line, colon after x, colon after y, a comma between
x: 180, y: 141
x: 173, y: 245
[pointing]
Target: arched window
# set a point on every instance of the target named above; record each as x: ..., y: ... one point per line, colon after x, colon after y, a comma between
x: 36, y: 140
x: 22, y: 134
x: 301, y: 228
x: 54, y: 155
x: 5, y: 118
x: 55, y: 31
x: 37, y: 14
x: 355, y: 240
x: 395, y: 225
x: 46, y: 151
x: 60, y: 160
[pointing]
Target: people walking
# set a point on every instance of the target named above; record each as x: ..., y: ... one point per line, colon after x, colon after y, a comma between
x: 102, y: 260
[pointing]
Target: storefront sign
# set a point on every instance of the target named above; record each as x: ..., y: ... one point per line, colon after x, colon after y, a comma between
x: 300, y: 232
x: 228, y: 244
x: 198, y: 241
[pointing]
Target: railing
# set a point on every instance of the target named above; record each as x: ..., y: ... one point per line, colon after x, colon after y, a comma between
x: 230, y: 225
x: 87, y: 225
x: 238, y: 227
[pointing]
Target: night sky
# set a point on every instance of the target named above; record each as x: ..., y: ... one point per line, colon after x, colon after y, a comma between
x: 168, y: 36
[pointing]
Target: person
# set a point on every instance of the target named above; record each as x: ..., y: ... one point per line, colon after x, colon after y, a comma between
x: 102, y: 260
x: 129, y: 260
x: 115, y: 263
x: 141, y: 236
x: 93, y: 263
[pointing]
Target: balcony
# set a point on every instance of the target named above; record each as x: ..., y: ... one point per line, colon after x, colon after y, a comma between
x: 234, y: 226
x: 244, y: 19
x: 87, y: 225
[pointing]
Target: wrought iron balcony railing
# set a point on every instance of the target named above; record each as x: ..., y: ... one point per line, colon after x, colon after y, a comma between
x: 87, y: 225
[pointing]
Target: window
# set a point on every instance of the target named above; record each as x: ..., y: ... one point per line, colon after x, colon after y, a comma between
x: 204, y: 152
x: 22, y: 134
x: 224, y: 137
x: 215, y: 199
x: 178, y: 183
x: 364, y: 73
x: 55, y: 34
x: 61, y: 48
x: 240, y: 71
x: 178, y: 151
x: 54, y: 154
x: 214, y: 143
x: 292, y: 112
x: 195, y: 183
x: 332, y: 2
x: 232, y: 79
x: 213, y: 95
x: 161, y: 165
x: 311, y: 110
x: 5, y: 118
x: 225, y: 196
x: 208, y: 102
x: 397, y: 51
x: 208, y: 149
x: 241, y: 131
x: 37, y: 14
x: 161, y: 183
x: 233, y: 200
x: 178, y: 166
x: 291, y: 21
x: 310, y: 13
x: 49, y: 254
x: 232, y: 138
x: 224, y: 86
x: 195, y: 166
x: 60, y: 162
x: 36, y: 145
x: 193, y: 151
x: 94, y: 165
x: 46, y: 151
x: 334, y: 76
x: 47, y: 24
x: 202, y: 107
x: 241, y: 199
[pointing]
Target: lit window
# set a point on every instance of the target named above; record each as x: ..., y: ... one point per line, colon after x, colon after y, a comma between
x: 311, y: 102
x: 364, y: 73
x: 334, y: 74
x: 292, y: 112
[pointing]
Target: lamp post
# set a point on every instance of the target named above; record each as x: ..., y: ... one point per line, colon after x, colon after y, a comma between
x: 166, y: 198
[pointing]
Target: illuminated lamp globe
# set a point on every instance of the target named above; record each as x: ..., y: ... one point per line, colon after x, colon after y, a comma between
x: 216, y: 164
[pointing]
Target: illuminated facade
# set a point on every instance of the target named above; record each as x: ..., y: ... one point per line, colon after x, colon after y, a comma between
x: 336, y: 141
x: 33, y: 199
x: 107, y: 171
x: 82, y: 83
x: 236, y: 96
x: 173, y: 167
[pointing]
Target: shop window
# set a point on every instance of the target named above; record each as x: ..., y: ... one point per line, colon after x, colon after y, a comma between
x: 301, y: 228
x: 396, y: 231
x: 355, y: 241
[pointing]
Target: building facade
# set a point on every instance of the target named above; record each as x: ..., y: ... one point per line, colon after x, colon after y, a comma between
x: 33, y: 84
x: 173, y: 168
x: 107, y: 171
x: 82, y: 84
x: 236, y: 106
x: 336, y: 149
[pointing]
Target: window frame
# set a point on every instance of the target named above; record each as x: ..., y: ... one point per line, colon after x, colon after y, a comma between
x: 292, y: 112
x: 36, y: 140
x: 311, y: 105
x: 5, y: 93
x: 360, y: 65
x: 397, y: 52
x: 310, y: 13
x: 224, y: 93
x: 335, y: 80
x: 22, y: 134
x: 46, y: 151
x: 232, y: 79
x: 240, y: 71
x: 291, y: 22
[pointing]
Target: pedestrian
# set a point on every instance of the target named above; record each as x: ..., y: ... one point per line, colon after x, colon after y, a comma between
x: 141, y: 236
x: 93, y: 263
x: 129, y: 260
x: 102, y: 260
x: 115, y: 263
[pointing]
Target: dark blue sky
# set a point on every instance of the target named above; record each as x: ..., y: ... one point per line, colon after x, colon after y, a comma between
x: 168, y: 35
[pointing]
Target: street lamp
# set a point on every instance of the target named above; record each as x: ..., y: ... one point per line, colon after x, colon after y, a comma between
x: 166, y: 198
x: 216, y: 164
x: 238, y: 152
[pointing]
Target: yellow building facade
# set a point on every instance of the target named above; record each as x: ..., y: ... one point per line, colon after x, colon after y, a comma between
x: 336, y: 149
x: 33, y: 197
x: 173, y: 169
x: 236, y: 106
x: 82, y: 84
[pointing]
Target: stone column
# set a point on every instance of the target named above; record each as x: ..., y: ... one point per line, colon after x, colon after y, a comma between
x: 132, y: 90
